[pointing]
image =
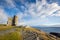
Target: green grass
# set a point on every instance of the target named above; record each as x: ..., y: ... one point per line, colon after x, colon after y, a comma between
x: 11, y: 36
x: 2, y: 28
x: 16, y: 35
x: 2, y: 24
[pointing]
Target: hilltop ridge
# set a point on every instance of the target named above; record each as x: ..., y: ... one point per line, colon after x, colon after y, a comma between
x: 25, y: 33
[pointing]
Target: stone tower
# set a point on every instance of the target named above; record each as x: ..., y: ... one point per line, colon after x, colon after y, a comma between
x: 15, y: 21
x: 9, y: 22
x: 12, y: 21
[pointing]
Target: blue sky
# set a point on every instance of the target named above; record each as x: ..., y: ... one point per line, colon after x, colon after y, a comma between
x: 31, y: 12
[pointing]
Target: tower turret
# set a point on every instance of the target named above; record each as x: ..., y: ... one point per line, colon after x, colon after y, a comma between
x: 9, y: 22
x: 15, y: 21
x: 12, y: 21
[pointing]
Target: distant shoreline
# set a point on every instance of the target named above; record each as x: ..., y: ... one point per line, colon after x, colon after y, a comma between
x: 49, y: 29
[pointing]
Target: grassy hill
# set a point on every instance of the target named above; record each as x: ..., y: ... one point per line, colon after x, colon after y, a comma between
x: 22, y: 33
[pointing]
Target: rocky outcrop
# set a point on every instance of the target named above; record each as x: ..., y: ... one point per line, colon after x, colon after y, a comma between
x: 55, y: 34
x: 27, y: 34
x: 34, y: 34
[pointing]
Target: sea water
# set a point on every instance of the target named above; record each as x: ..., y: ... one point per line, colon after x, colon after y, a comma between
x: 49, y: 29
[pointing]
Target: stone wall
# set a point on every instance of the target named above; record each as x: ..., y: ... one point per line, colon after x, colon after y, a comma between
x: 12, y: 21
x: 9, y: 22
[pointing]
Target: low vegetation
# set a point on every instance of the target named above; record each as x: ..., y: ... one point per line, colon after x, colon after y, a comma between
x: 5, y: 27
x: 22, y: 33
x: 11, y: 36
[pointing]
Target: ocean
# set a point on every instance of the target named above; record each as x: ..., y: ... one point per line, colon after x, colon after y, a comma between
x: 49, y: 29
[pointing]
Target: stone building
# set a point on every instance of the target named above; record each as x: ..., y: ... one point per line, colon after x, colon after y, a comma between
x: 12, y: 21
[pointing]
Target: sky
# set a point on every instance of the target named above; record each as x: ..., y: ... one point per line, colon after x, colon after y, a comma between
x: 31, y: 12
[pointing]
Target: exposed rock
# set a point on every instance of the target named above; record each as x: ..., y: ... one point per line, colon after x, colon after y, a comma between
x: 34, y: 34
x: 30, y: 34
x: 56, y: 34
x: 27, y: 27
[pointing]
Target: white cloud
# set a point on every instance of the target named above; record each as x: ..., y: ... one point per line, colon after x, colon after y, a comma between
x: 3, y: 16
x: 10, y: 3
x: 39, y: 11
x: 34, y: 22
x: 46, y: 9
x: 58, y: 14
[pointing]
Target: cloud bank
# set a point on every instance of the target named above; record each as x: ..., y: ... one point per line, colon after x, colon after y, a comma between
x: 31, y: 13
x: 39, y: 12
x: 3, y: 16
